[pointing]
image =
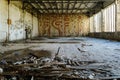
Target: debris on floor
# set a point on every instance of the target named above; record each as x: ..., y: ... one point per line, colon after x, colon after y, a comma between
x: 58, y: 59
x: 81, y: 50
x: 33, y: 65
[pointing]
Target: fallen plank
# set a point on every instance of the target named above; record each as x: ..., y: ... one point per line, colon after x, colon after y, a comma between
x: 84, y: 67
x: 38, y: 69
x: 108, y: 78
x: 81, y: 50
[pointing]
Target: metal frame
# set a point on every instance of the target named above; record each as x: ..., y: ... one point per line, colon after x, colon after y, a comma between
x: 41, y: 6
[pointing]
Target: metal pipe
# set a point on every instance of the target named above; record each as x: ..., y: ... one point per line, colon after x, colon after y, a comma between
x: 116, y: 16
x: 8, y: 20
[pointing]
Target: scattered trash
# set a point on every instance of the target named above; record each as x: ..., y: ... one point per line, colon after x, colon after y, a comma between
x: 35, y: 67
x: 91, y: 76
x: 1, y: 70
x: 82, y: 45
x: 81, y: 50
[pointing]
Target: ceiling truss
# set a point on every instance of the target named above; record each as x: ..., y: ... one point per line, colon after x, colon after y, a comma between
x: 64, y: 6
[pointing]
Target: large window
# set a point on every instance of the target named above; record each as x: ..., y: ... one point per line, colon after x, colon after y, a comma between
x: 109, y: 16
x: 104, y: 21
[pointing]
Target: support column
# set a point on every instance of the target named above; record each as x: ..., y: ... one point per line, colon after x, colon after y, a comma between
x: 91, y: 22
x: 38, y: 23
x: 102, y: 21
x: 8, y: 21
x: 23, y: 8
x: 32, y: 26
x: 117, y: 5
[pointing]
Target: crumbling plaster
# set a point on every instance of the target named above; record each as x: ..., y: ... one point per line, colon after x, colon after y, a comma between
x: 3, y: 20
x: 18, y: 21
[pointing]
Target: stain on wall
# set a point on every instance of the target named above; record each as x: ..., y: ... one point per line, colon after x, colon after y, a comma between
x: 63, y: 25
x: 3, y: 20
x: 18, y: 21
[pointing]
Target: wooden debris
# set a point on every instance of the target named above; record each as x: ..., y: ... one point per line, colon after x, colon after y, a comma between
x: 86, y: 45
x: 56, y: 68
x: 81, y: 50
x: 110, y: 78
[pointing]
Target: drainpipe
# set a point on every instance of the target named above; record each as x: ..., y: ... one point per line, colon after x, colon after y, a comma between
x: 23, y: 10
x: 102, y: 18
x: 24, y: 25
x: 90, y: 14
x: 32, y: 26
x: 38, y: 24
x: 116, y: 17
x: 8, y: 21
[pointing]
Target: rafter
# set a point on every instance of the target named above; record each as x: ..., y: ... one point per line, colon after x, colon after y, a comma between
x: 68, y: 6
x: 73, y: 6
x: 64, y: 6
x: 79, y: 6
x: 56, y: 6
x: 50, y: 6
x: 72, y: 1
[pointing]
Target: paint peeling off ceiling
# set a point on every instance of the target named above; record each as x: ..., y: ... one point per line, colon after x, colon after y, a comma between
x: 66, y: 6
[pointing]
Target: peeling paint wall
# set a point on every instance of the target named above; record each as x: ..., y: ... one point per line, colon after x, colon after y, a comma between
x: 16, y: 27
x: 3, y: 20
x: 17, y: 21
x: 63, y: 25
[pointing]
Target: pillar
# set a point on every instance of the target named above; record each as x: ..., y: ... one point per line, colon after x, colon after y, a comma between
x: 117, y: 4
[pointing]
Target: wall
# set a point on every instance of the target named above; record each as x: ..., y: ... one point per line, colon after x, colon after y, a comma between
x: 3, y: 20
x: 16, y: 27
x: 106, y: 35
x: 63, y: 25
x: 110, y: 23
x: 35, y: 27
x: 118, y: 15
x: 18, y: 21
x: 104, y: 21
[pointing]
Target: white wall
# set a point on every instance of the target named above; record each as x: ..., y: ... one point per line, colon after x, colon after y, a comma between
x: 19, y: 21
x: 35, y: 31
x: 104, y: 21
x: 3, y: 20
x: 16, y: 28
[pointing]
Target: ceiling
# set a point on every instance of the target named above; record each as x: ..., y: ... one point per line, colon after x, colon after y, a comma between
x: 65, y: 6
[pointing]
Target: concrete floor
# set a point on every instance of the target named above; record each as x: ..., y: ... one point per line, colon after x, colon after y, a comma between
x: 85, y: 49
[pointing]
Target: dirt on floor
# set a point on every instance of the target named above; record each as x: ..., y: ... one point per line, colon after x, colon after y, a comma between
x: 104, y: 53
x: 16, y: 55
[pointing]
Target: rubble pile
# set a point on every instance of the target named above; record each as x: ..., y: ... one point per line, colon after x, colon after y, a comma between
x: 32, y: 67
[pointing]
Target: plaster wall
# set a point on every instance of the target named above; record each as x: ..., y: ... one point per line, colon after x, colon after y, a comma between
x: 13, y: 21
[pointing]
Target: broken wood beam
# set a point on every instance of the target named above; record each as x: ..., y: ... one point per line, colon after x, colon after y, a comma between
x: 109, y: 78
